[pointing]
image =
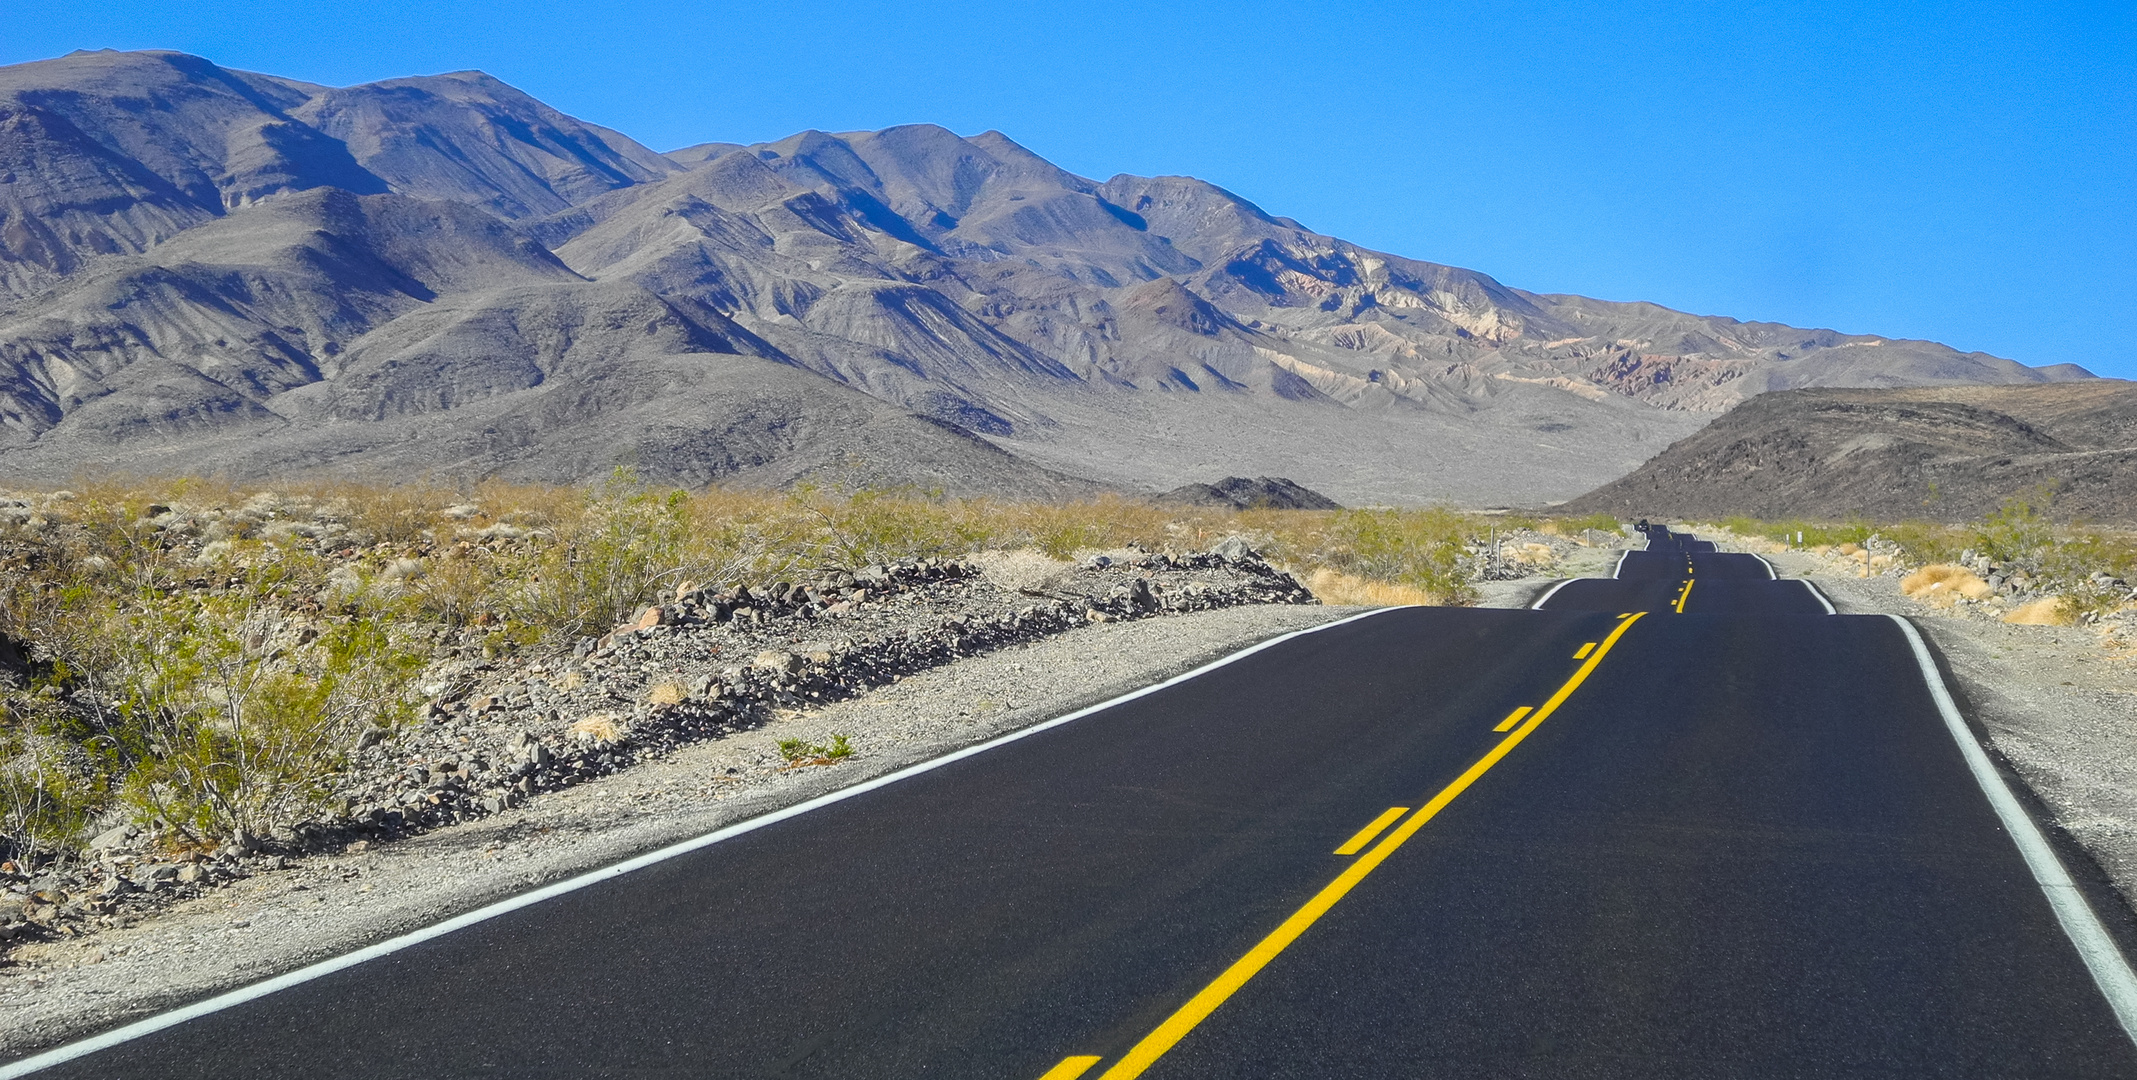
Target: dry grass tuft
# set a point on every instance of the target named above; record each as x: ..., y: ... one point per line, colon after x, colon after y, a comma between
x: 599, y: 727
x: 666, y: 693
x: 1943, y: 581
x: 2047, y: 611
x: 1331, y: 587
x: 1025, y: 570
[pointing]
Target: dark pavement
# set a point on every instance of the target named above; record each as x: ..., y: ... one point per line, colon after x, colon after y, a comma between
x: 1741, y: 844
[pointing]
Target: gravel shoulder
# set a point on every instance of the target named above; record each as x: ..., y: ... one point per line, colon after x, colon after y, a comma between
x: 323, y: 906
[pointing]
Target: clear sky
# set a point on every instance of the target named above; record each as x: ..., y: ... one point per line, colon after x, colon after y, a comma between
x: 1962, y: 172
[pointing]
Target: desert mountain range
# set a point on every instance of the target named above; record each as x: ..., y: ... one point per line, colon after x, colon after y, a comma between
x: 209, y: 270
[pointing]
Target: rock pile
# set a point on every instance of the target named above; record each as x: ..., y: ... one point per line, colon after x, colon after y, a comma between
x: 1525, y: 553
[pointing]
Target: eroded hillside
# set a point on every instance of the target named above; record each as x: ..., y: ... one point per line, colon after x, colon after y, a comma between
x: 210, y: 270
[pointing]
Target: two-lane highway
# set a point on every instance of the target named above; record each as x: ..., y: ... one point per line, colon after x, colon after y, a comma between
x: 1681, y: 575
x: 1676, y: 823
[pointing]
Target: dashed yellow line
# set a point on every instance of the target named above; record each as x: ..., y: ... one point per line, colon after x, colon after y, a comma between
x: 1198, y: 1008
x: 1582, y: 652
x: 1372, y: 829
x: 1513, y: 718
x: 1683, y: 596
x: 1071, y: 1067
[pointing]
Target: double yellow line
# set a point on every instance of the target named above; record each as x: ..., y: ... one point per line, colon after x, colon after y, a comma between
x: 1198, y: 1008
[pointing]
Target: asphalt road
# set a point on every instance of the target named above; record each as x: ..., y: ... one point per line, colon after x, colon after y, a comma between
x: 1735, y: 840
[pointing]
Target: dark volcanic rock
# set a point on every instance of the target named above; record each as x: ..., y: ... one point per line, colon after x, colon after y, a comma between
x: 1950, y: 454
x: 1260, y: 493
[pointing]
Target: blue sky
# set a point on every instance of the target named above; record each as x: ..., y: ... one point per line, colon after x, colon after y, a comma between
x: 1960, y: 172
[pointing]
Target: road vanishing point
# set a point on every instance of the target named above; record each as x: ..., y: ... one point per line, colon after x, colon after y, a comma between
x: 1680, y: 822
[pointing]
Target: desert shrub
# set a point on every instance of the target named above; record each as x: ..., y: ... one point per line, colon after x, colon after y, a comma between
x: 2064, y: 557
x: 218, y: 712
x: 2016, y: 531
x: 802, y: 752
x: 1418, y: 548
x: 1814, y: 533
x: 2046, y: 611
x: 1928, y: 542
x: 1574, y: 526
x: 1109, y: 521
x: 1331, y: 587
x: 1945, y: 579
x: 617, y: 549
x: 872, y: 526
x: 49, y: 791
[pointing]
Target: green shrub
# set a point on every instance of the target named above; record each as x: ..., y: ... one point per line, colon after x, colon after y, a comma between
x: 224, y: 713
x: 803, y: 752
x: 1574, y: 526
x: 1419, y: 548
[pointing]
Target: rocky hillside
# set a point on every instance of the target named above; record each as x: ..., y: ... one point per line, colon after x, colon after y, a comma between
x: 212, y: 270
x: 1259, y: 493
x: 1950, y: 454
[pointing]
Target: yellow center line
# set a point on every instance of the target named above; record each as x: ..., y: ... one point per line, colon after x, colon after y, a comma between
x: 1365, y: 835
x: 1071, y: 1067
x: 1183, y: 1020
x: 1583, y: 651
x: 1513, y: 718
x: 1683, y: 596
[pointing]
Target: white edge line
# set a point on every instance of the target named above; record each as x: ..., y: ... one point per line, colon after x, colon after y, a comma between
x: 1551, y: 592
x: 2110, y: 969
x: 1819, y: 596
x: 218, y: 1003
x: 1620, y: 567
x: 1770, y: 575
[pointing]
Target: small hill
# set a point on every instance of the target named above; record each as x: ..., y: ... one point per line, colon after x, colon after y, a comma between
x: 1943, y: 453
x: 1260, y: 493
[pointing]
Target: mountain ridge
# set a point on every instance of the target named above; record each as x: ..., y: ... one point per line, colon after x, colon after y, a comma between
x: 170, y: 268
